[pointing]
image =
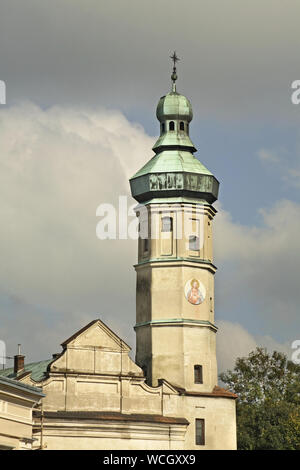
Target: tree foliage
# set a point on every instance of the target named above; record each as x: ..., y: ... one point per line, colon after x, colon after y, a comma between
x: 268, y: 405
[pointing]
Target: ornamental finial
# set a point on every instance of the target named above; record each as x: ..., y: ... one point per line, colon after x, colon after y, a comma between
x: 174, y: 74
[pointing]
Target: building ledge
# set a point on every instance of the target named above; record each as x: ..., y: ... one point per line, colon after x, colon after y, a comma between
x: 108, y: 416
x: 217, y: 392
x: 177, y: 322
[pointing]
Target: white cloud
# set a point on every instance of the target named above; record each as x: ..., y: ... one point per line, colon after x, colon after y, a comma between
x: 56, y: 167
x: 266, y: 155
x: 283, y: 162
x: 234, y: 341
x: 293, y: 177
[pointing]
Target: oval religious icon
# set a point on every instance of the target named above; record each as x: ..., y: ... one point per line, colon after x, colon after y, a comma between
x: 194, y: 291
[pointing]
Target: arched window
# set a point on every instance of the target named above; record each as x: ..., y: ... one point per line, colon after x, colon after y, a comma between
x: 166, y: 224
x: 171, y: 126
x: 181, y: 126
x: 163, y: 128
x: 194, y: 243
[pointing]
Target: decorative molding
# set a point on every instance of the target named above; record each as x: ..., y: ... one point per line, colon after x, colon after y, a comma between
x: 177, y: 322
x: 205, y: 264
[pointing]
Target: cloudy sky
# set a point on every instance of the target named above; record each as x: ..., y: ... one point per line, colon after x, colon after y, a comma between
x: 83, y: 80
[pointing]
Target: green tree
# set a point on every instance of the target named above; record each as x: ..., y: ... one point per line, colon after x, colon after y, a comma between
x: 268, y: 404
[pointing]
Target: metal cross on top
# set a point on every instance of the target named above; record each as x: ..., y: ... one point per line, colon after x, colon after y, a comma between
x: 174, y: 74
x: 174, y: 58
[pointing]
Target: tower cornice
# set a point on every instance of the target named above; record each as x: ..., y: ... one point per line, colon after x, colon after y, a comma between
x: 166, y: 262
x: 164, y: 205
x: 178, y: 322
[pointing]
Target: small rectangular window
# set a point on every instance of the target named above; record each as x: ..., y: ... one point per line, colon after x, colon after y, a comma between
x: 194, y: 243
x: 166, y: 224
x: 200, y: 432
x: 144, y: 234
x: 198, y: 375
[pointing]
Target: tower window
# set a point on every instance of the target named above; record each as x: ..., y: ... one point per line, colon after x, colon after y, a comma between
x: 163, y: 128
x: 166, y: 224
x: 198, y: 376
x: 181, y: 126
x: 194, y: 243
x: 144, y: 232
x: 171, y: 126
x: 200, y: 432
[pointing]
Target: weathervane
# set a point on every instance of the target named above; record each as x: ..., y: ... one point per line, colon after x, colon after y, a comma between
x: 174, y: 74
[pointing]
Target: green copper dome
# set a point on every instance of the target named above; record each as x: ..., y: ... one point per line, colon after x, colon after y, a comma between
x: 174, y: 172
x: 174, y: 112
x: 174, y: 106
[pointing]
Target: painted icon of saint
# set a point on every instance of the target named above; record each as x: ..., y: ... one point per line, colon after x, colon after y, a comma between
x: 194, y: 294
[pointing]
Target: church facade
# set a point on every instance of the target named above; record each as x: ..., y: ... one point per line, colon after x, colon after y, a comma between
x: 96, y: 396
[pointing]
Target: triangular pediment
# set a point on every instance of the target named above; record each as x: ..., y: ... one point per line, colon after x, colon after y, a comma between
x: 96, y: 334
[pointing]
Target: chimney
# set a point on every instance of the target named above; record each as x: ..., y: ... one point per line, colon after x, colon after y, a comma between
x: 19, y: 360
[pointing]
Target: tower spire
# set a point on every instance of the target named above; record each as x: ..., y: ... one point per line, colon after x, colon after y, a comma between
x: 174, y: 74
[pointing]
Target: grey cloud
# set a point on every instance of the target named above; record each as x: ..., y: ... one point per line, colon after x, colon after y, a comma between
x: 238, y: 58
x: 285, y: 162
x: 57, y: 166
x: 260, y: 269
x: 234, y: 341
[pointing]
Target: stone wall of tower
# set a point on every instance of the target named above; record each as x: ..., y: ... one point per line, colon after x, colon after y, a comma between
x: 188, y: 218
x: 174, y: 335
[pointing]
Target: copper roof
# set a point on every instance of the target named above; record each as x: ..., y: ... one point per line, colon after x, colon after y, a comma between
x: 37, y: 371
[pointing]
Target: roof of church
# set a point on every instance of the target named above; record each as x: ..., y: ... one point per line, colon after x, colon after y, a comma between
x: 174, y: 106
x: 86, y: 327
x: 173, y: 161
x: 38, y: 370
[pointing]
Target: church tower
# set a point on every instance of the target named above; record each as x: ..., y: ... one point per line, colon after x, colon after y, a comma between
x: 175, y: 330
